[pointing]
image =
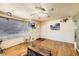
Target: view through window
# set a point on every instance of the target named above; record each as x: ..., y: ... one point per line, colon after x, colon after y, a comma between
x: 10, y: 28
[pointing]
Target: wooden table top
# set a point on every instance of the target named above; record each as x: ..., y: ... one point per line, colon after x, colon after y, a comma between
x: 37, y: 51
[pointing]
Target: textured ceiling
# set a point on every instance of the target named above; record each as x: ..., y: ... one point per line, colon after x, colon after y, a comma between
x: 26, y: 9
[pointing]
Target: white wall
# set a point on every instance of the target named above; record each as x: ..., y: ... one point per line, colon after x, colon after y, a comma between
x: 65, y: 34
x: 12, y: 42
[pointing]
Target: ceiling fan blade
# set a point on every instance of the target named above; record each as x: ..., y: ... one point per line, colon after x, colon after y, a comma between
x: 33, y: 14
x: 40, y: 8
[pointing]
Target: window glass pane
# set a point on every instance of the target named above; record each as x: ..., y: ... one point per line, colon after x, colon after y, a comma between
x: 10, y: 28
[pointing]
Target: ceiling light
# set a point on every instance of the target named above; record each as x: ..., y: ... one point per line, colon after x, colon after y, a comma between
x: 42, y: 15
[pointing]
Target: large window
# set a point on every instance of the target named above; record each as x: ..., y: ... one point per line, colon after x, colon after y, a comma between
x: 10, y: 28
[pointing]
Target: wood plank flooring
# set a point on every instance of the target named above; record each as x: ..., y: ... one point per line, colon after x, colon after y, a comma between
x: 66, y: 51
x: 55, y: 48
x: 18, y: 50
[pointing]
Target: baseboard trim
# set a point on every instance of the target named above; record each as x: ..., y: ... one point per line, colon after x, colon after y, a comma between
x: 58, y: 41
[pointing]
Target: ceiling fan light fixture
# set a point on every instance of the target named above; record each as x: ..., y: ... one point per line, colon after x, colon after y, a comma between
x: 43, y: 15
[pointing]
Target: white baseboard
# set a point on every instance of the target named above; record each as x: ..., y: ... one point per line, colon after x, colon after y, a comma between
x: 75, y: 46
x: 77, y: 49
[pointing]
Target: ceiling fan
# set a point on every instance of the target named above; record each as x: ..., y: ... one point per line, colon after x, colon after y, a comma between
x: 42, y: 11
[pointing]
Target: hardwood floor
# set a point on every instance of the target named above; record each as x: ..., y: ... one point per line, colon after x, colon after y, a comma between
x: 44, y: 46
x: 18, y: 50
x: 66, y: 51
x: 56, y: 48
